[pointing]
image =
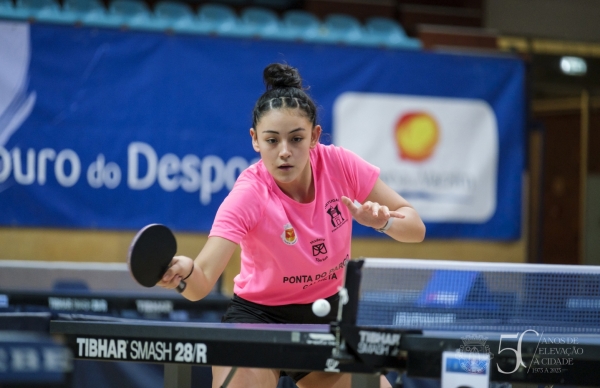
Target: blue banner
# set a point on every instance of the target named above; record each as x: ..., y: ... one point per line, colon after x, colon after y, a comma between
x: 112, y: 129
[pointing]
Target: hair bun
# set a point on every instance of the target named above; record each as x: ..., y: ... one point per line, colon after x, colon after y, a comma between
x: 278, y: 75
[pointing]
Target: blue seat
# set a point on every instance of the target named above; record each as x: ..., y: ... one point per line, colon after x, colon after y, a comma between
x: 135, y: 14
x: 8, y: 11
x: 170, y: 13
x: 129, y: 8
x: 78, y: 10
x: 106, y: 18
x: 341, y: 28
x: 124, y: 13
x: 300, y: 25
x: 172, y: 10
x: 217, y: 18
x: 36, y: 9
x: 389, y: 33
x: 258, y: 21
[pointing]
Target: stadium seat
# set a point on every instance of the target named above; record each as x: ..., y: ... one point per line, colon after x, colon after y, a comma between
x: 387, y: 32
x: 217, y: 18
x: 172, y: 10
x: 130, y: 8
x: 170, y: 13
x: 78, y: 10
x: 258, y: 21
x: 124, y: 13
x: 8, y: 11
x: 135, y: 14
x: 103, y: 19
x: 37, y: 9
x: 341, y: 28
x: 300, y: 25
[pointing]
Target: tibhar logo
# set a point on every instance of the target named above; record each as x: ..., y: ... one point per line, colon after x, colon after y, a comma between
x: 142, y: 350
x: 379, y: 343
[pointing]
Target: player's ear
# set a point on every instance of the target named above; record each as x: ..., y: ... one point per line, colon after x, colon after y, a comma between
x: 315, y: 136
x: 254, y: 137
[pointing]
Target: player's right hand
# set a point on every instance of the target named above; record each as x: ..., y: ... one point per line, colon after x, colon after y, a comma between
x: 179, y: 268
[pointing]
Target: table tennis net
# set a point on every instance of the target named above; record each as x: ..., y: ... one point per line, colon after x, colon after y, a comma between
x: 472, y: 296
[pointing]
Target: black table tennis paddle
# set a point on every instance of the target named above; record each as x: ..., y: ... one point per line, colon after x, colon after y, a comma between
x: 150, y: 254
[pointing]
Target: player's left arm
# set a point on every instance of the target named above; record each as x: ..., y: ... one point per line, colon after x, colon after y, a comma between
x: 383, y: 203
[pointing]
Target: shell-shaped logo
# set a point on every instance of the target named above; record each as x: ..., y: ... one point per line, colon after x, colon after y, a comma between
x: 289, y: 234
x: 417, y: 135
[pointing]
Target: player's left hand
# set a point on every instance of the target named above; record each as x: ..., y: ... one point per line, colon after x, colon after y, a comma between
x: 370, y: 213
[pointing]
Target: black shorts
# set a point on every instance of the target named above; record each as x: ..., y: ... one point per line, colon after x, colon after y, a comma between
x: 244, y: 311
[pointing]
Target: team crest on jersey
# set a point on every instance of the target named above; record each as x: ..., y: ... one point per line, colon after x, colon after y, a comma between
x: 289, y: 234
x: 336, y: 217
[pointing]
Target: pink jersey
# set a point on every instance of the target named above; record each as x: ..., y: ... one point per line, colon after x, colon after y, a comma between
x: 294, y: 252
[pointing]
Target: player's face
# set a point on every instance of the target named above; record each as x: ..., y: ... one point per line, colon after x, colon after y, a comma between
x: 284, y: 138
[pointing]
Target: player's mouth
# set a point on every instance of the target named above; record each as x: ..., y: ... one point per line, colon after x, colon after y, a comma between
x: 285, y: 167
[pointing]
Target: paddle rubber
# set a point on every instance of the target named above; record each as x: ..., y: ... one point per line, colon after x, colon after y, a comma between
x: 150, y: 254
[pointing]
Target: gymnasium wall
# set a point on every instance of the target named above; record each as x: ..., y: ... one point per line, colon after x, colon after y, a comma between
x: 127, y: 97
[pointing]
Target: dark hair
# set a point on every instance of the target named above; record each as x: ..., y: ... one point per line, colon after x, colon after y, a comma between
x: 284, y: 90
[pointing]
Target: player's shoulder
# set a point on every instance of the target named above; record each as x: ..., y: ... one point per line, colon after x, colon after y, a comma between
x: 329, y: 155
x: 328, y: 150
x: 254, y: 180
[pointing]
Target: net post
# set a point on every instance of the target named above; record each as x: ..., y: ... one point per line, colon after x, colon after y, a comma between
x: 352, y: 285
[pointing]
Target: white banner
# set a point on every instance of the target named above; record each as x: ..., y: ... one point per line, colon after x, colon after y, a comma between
x: 441, y: 154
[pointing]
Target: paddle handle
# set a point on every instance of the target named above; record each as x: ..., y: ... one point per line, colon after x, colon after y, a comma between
x: 181, y: 286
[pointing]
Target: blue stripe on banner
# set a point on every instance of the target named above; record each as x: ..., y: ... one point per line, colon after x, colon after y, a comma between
x: 116, y: 129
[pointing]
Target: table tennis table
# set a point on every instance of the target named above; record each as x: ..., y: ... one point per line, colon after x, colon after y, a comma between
x: 312, y: 347
x: 556, y: 353
x: 182, y: 345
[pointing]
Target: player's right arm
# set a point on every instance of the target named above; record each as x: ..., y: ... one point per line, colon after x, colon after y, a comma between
x: 240, y: 211
x: 207, y: 268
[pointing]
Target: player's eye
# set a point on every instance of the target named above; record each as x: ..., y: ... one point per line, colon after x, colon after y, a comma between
x: 297, y: 139
x: 271, y: 141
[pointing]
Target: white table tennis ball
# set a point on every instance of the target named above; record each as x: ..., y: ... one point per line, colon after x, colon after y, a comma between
x: 321, y: 307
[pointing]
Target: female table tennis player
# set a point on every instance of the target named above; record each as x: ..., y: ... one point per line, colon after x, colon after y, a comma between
x: 291, y: 213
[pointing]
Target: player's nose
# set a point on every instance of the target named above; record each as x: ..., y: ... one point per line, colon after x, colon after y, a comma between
x: 284, y: 151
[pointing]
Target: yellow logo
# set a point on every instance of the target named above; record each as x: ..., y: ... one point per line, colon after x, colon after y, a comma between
x: 417, y: 135
x: 289, y: 234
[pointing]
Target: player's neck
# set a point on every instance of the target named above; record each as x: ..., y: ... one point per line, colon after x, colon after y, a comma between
x: 302, y: 189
